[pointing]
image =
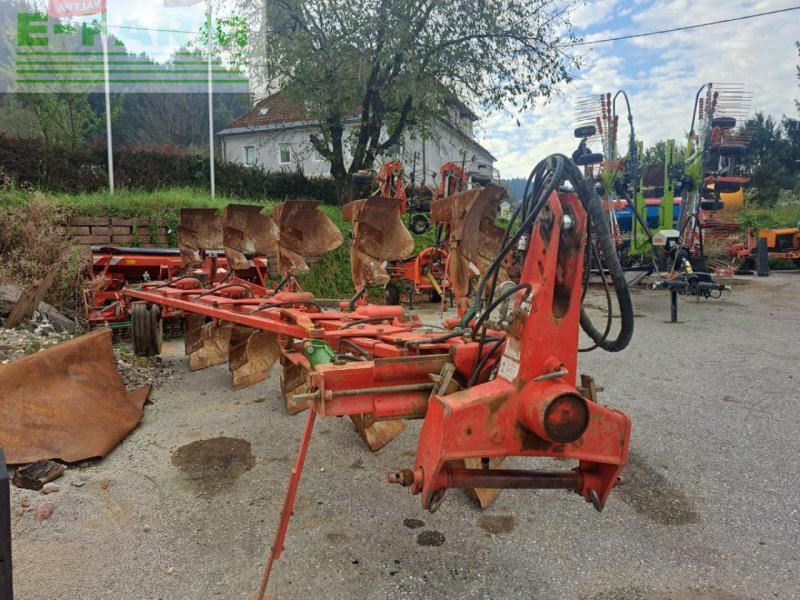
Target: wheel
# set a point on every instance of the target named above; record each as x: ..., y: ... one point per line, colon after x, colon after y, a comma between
x: 589, y: 159
x: 724, y: 122
x: 762, y: 258
x: 727, y: 187
x: 733, y: 151
x: 147, y: 329
x: 435, y: 297
x: 363, y: 178
x: 419, y: 224
x: 712, y: 205
x: 392, y: 294
x: 585, y: 131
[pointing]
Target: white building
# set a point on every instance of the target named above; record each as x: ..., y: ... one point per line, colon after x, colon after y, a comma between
x: 275, y: 136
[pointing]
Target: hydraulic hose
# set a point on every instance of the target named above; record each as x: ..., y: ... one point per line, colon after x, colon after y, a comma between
x: 591, y: 203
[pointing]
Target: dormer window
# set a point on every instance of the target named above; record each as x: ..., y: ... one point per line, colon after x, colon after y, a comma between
x: 263, y: 111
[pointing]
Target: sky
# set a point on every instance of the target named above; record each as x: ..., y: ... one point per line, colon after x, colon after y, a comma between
x: 661, y: 74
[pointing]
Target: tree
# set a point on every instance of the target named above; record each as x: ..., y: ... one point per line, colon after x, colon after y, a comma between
x: 391, y: 65
x: 770, y: 159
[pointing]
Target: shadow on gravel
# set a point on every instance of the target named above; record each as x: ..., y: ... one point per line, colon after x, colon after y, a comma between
x: 651, y: 495
x: 213, y: 465
x: 629, y: 593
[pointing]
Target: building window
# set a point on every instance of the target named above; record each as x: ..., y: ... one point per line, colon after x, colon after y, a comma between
x: 249, y: 155
x: 284, y: 153
x: 316, y: 156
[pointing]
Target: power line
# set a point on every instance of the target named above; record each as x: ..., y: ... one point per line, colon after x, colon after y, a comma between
x: 709, y: 24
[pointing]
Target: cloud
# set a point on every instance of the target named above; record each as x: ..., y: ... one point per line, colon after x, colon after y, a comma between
x: 660, y: 73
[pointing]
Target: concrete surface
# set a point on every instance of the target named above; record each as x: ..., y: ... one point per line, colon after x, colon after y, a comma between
x: 710, y: 510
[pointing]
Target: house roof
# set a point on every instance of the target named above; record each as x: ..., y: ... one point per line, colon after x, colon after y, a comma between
x: 278, y: 112
x: 272, y: 110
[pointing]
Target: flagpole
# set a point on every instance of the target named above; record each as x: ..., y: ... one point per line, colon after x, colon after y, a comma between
x: 109, y: 140
x: 211, y: 102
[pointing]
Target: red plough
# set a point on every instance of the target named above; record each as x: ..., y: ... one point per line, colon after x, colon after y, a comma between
x: 500, y: 381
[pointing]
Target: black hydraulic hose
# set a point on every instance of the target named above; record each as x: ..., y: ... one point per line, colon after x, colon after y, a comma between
x: 591, y: 203
x: 507, y: 295
x: 287, y: 303
x: 484, y: 361
x: 354, y: 346
x: 365, y: 321
x: 352, y: 304
x: 225, y: 287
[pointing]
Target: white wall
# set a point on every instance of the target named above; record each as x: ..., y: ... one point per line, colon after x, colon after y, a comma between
x: 446, y: 145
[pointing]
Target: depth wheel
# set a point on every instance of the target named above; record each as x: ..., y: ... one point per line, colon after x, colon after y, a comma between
x: 147, y: 329
x: 419, y: 224
x: 392, y: 294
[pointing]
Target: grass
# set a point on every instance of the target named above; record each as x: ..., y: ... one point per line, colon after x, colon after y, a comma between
x: 329, y: 278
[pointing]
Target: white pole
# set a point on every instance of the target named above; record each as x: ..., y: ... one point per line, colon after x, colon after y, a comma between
x: 211, y: 103
x: 109, y: 140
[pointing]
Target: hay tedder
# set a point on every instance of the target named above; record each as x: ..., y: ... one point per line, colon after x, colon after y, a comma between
x: 498, y: 381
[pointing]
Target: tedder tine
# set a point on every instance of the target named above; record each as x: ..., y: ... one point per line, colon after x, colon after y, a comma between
x: 252, y: 354
x: 215, y: 342
x: 246, y: 231
x: 288, y: 504
x: 200, y: 229
x: 378, y: 236
x: 305, y: 232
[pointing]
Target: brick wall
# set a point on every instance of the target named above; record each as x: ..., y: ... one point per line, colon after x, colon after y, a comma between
x: 100, y: 231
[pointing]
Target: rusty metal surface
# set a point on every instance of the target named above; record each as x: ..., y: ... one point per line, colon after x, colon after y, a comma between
x: 252, y: 354
x: 305, y: 232
x: 379, y: 235
x: 474, y: 236
x: 67, y: 402
x: 199, y: 229
x: 246, y: 231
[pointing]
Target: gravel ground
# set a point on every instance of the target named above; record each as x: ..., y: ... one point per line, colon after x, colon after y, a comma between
x: 186, y: 506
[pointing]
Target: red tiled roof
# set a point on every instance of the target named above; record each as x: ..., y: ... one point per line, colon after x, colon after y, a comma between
x: 280, y: 110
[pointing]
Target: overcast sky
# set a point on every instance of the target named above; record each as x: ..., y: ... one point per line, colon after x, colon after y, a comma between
x: 660, y: 73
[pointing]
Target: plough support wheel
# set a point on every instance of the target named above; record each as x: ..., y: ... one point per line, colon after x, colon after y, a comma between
x: 147, y: 329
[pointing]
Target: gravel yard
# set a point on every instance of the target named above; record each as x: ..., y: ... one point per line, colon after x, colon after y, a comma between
x: 185, y: 508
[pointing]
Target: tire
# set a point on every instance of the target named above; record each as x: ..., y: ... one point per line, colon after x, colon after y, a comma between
x: 712, y: 205
x: 363, y: 178
x: 727, y: 187
x: 419, y: 224
x: 589, y: 159
x: 392, y: 294
x: 762, y: 258
x: 733, y: 151
x: 796, y: 262
x: 434, y: 297
x: 147, y: 329
x: 585, y: 131
x: 723, y: 122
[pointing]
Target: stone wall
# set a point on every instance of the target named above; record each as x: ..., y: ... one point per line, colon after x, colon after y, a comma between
x: 104, y: 231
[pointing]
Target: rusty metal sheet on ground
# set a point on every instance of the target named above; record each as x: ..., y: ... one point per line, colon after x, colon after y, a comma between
x: 67, y: 402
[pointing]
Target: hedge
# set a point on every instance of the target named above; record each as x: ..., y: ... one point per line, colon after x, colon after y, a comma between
x: 33, y: 162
